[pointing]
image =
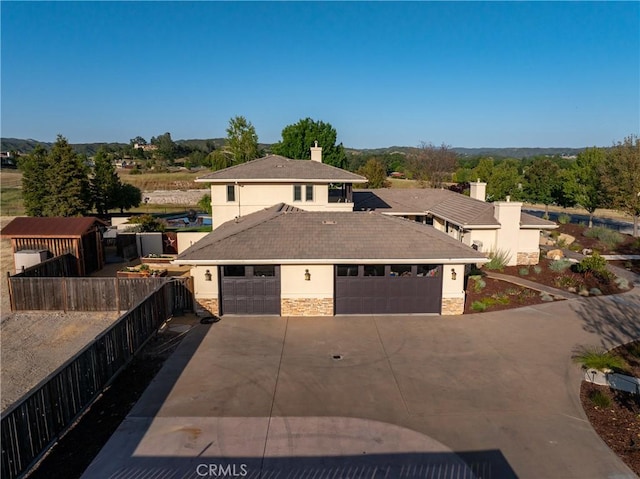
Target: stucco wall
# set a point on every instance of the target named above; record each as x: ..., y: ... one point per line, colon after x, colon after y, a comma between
x: 453, y: 294
x: 293, y: 284
x: 203, y: 288
x: 508, y: 214
x: 487, y: 237
x: 528, y: 241
x: 188, y: 239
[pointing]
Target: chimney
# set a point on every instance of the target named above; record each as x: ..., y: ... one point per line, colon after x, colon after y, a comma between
x: 478, y: 190
x: 316, y: 152
x: 508, y: 215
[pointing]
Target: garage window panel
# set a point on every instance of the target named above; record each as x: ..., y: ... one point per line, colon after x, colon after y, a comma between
x: 263, y: 271
x: 234, y: 270
x: 397, y: 270
x: 374, y: 270
x: 428, y: 271
x: 347, y: 270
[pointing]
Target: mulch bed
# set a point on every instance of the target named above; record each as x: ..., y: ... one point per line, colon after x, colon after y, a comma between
x: 628, y: 246
x: 518, y: 296
x: 617, y: 424
x: 631, y: 265
x: 630, y: 352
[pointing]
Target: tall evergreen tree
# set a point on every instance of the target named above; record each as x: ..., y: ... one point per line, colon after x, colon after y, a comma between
x: 35, y: 190
x: 105, y: 184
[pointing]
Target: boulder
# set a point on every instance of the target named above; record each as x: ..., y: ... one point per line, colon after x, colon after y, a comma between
x: 555, y: 254
x: 568, y: 239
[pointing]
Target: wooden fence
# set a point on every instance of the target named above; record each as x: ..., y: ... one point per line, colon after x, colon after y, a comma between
x: 30, y: 427
x: 64, y: 265
x: 78, y: 294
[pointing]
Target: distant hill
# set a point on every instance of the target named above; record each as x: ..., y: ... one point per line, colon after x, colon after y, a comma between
x: 89, y: 149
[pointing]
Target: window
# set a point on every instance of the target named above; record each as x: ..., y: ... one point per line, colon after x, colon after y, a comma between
x: 297, y: 193
x: 308, y: 192
x: 347, y: 270
x: 264, y: 270
x: 428, y: 270
x: 233, y: 271
x: 400, y: 270
x: 231, y: 193
x: 374, y: 270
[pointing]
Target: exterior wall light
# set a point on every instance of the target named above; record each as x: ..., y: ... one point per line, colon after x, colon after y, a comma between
x: 454, y: 275
x: 207, y: 275
x: 307, y: 275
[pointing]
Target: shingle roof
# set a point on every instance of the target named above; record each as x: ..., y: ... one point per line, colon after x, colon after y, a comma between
x: 279, y: 233
x: 527, y: 220
x: 452, y: 206
x: 279, y: 168
x: 36, y: 227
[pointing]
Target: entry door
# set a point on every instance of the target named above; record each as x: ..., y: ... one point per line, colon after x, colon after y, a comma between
x: 250, y: 289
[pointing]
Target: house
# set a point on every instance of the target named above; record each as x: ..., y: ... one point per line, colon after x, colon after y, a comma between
x: 306, y: 184
x: 487, y: 227
x: 287, y: 261
x: 79, y: 236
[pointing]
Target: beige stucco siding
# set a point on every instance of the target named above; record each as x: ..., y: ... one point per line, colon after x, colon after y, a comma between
x: 453, y: 288
x: 486, y: 237
x: 203, y: 288
x: 528, y: 241
x: 293, y: 284
x: 188, y: 239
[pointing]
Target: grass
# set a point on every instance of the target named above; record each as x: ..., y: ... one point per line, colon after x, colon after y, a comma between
x: 402, y: 183
x: 11, y: 201
x: 606, y: 236
x: 499, y: 260
x: 593, y: 357
x: 600, y: 399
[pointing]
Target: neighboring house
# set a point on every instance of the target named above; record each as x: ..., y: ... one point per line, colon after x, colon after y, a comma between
x: 487, y: 227
x: 252, y: 186
x: 284, y: 260
x: 79, y: 236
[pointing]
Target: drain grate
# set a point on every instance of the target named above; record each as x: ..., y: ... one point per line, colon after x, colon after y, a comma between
x: 336, y: 357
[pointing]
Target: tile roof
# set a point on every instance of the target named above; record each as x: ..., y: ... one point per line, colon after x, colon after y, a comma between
x: 37, y: 227
x: 279, y: 168
x: 280, y: 233
x: 527, y: 220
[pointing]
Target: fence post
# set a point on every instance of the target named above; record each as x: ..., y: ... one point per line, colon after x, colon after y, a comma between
x: 12, y: 301
x: 65, y: 305
x: 117, y: 294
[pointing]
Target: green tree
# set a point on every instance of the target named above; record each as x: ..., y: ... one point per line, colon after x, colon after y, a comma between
x: 584, y: 181
x: 105, y: 183
x: 167, y: 149
x: 35, y: 190
x: 204, y: 203
x: 242, y: 140
x: 128, y: 197
x: 483, y: 170
x: 297, y: 139
x: 375, y: 172
x: 541, y: 182
x: 505, y: 180
x: 621, y: 177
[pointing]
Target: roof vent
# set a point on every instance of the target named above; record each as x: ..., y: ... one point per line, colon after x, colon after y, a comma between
x: 279, y: 166
x: 329, y: 222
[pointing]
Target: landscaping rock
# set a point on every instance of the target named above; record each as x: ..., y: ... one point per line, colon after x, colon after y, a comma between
x: 583, y: 292
x: 595, y: 292
x: 555, y: 254
x: 587, y: 251
x: 572, y: 289
x: 568, y: 239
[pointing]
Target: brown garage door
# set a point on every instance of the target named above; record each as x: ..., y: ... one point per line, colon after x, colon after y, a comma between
x: 388, y: 289
x: 250, y: 289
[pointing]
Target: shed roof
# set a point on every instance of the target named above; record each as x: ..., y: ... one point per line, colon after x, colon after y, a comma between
x: 282, y: 233
x: 52, y: 227
x: 280, y: 169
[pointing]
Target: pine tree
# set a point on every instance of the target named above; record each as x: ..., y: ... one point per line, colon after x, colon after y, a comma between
x: 105, y: 183
x: 35, y: 190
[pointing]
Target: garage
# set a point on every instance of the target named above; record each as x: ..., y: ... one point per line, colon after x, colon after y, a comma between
x: 388, y: 289
x: 250, y: 289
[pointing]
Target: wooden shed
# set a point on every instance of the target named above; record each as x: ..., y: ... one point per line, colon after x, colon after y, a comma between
x: 79, y: 236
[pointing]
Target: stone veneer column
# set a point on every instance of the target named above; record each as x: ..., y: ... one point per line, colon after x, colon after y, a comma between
x: 452, y: 306
x: 306, y: 307
x: 529, y: 258
x: 207, y: 305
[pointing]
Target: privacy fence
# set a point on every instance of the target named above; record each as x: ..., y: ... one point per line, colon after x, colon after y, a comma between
x: 29, y: 427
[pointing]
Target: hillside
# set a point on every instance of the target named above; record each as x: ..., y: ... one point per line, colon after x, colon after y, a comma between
x: 25, y: 146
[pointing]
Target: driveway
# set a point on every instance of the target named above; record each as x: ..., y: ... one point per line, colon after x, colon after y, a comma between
x: 491, y: 395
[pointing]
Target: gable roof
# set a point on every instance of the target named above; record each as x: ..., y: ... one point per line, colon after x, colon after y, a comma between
x: 278, y: 169
x: 40, y: 227
x: 454, y: 207
x: 286, y: 235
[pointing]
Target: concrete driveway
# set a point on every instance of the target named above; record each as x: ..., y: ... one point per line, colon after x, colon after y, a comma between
x: 491, y: 395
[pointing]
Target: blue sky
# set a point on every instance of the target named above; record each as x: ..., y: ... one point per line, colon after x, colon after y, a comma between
x: 467, y: 74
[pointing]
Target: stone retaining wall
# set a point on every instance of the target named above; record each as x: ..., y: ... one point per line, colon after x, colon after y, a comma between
x: 452, y: 306
x: 528, y: 258
x: 306, y: 306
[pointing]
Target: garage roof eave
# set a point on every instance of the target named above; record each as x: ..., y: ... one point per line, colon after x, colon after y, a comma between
x: 214, y: 262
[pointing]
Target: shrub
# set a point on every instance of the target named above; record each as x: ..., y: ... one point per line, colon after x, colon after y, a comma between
x: 600, y: 399
x: 478, y: 306
x: 593, y: 357
x: 546, y: 297
x: 561, y: 243
x: 622, y: 283
x: 592, y: 264
x: 559, y: 265
x: 606, y: 236
x: 497, y: 298
x: 523, y: 271
x: 478, y: 284
x: 554, y: 234
x: 567, y: 282
x: 595, y: 292
x: 537, y: 269
x: 499, y: 259
x: 147, y: 223
x: 564, y: 219
x: 575, y: 247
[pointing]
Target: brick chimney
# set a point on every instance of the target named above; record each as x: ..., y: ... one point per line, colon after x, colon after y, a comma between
x: 316, y: 152
x: 478, y: 190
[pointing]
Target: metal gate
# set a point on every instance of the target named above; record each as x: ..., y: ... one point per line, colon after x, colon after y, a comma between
x: 250, y: 289
x: 388, y: 289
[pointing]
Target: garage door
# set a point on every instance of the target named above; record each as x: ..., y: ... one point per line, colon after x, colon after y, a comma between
x: 388, y: 289
x: 250, y: 289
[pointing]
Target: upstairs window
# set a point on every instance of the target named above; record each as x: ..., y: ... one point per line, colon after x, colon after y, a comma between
x: 297, y: 193
x: 308, y: 193
x: 231, y: 193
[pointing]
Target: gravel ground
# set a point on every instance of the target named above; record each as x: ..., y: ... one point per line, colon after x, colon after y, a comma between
x: 34, y: 344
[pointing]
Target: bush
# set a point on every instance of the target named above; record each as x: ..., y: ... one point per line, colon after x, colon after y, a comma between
x: 592, y: 264
x: 478, y: 306
x: 564, y: 219
x: 499, y: 259
x: 523, y: 271
x: 537, y: 269
x: 600, y: 399
x: 622, y: 283
x: 559, y: 265
x: 608, y: 237
x: 478, y: 283
x: 567, y: 282
x: 546, y: 297
x: 593, y: 357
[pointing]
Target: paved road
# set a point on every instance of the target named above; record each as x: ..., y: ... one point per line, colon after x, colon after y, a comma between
x: 490, y: 395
